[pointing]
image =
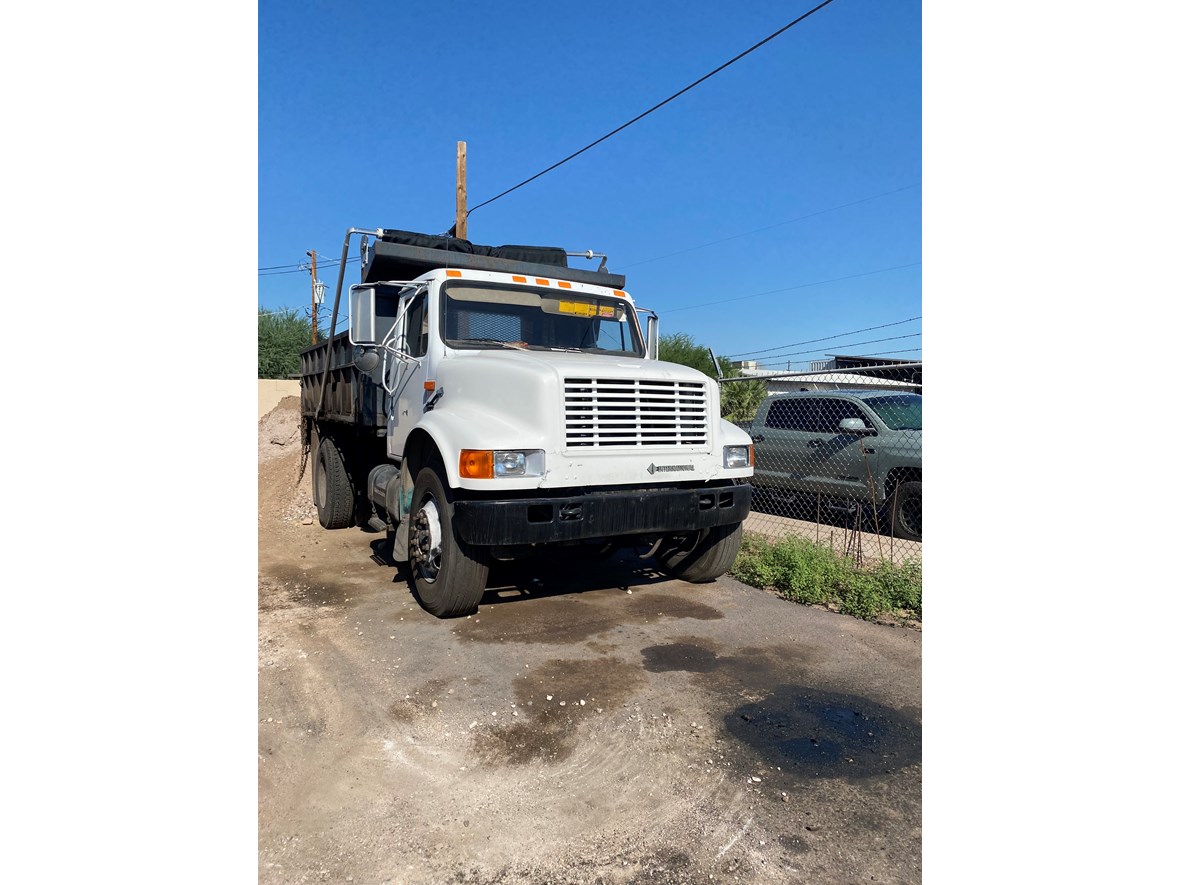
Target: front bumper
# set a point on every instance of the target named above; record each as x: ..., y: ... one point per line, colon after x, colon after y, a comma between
x: 600, y: 514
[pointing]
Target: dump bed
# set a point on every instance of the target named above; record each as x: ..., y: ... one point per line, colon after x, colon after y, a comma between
x: 351, y: 398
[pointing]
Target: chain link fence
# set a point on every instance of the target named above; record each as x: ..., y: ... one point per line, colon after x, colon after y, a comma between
x: 838, y: 459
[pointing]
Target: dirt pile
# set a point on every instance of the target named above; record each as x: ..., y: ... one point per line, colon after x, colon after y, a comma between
x: 282, y: 494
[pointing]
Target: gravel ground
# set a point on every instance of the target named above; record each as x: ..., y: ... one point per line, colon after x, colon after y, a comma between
x: 593, y: 723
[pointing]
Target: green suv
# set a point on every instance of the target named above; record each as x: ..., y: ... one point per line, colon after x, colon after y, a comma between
x: 862, y: 446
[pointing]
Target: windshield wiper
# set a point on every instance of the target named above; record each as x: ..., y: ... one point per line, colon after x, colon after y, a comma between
x: 507, y: 344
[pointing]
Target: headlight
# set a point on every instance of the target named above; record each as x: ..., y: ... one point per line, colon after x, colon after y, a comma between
x: 737, y: 456
x: 485, y: 464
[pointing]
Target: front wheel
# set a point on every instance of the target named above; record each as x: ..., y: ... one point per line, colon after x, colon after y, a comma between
x: 444, y: 571
x: 702, y: 556
x: 907, y: 511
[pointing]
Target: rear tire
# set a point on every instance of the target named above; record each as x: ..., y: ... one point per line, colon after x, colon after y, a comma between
x: 907, y: 511
x: 446, y: 573
x: 335, y: 497
x: 711, y: 555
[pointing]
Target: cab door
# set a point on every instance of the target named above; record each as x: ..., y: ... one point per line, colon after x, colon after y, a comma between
x: 839, y: 461
x: 409, y: 369
x: 781, y: 455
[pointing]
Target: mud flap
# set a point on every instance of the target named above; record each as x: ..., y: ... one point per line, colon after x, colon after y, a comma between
x: 403, y: 496
x: 401, y: 542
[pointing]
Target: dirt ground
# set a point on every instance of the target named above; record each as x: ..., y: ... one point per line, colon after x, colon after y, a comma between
x: 593, y: 723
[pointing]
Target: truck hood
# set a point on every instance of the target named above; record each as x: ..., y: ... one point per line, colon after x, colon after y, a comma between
x: 567, y: 364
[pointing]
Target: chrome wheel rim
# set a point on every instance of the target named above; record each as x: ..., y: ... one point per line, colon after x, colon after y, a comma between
x: 426, y: 541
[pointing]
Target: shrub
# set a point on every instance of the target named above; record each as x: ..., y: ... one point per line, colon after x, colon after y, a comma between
x: 809, y: 573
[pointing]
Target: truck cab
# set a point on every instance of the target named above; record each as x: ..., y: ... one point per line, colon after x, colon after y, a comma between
x: 515, y: 403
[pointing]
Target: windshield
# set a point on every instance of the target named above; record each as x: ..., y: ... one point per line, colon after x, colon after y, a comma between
x: 900, y: 411
x: 480, y: 315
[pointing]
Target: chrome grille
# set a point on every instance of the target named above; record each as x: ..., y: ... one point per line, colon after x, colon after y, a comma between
x: 627, y: 412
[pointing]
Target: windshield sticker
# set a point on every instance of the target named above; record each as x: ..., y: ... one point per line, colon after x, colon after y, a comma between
x: 577, y: 308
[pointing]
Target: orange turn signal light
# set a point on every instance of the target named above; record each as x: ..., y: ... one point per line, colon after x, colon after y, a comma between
x: 476, y: 464
x: 454, y: 273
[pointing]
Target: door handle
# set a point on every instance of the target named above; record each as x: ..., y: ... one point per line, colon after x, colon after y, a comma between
x: 814, y: 443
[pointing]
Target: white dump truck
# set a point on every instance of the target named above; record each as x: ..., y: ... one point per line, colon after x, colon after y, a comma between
x: 486, y: 401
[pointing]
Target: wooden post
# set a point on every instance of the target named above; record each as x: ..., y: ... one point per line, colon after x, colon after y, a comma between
x: 461, y: 191
x: 315, y: 317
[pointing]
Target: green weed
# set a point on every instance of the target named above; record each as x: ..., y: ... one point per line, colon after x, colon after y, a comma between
x: 809, y: 573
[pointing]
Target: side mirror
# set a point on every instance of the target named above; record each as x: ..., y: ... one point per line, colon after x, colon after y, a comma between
x: 362, y: 315
x: 853, y: 425
x: 368, y: 362
x: 653, y: 337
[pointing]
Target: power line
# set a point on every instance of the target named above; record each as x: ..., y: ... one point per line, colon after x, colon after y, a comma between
x: 793, y: 288
x: 817, y: 340
x: 301, y: 267
x: 771, y: 226
x: 655, y: 107
x: 853, y: 344
x: 858, y: 355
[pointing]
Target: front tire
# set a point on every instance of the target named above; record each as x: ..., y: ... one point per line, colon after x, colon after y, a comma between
x: 907, y: 511
x: 445, y: 572
x: 335, y: 497
x: 703, y: 556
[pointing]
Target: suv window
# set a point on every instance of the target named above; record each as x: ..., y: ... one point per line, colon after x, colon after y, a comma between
x: 833, y: 411
x: 902, y: 411
x: 792, y: 414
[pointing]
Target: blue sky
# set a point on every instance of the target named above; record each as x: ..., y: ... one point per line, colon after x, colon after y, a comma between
x: 360, y: 109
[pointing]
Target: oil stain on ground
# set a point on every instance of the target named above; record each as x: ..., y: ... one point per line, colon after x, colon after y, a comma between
x: 827, y: 734
x: 750, y: 666
x: 563, y: 620
x: 318, y: 587
x: 550, y: 700
x: 796, y: 726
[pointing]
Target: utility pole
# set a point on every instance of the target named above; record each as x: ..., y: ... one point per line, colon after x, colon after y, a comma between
x: 314, y: 304
x: 461, y: 191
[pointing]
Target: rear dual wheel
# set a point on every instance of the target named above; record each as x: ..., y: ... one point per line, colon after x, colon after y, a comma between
x: 335, y: 497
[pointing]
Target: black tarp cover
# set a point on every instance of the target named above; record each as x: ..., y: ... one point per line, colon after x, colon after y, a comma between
x: 536, y: 254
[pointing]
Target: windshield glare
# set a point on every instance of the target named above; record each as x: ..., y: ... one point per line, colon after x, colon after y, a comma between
x: 902, y: 411
x: 480, y: 315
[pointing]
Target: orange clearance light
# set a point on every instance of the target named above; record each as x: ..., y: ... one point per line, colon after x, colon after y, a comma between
x: 564, y: 284
x: 428, y: 386
x: 475, y: 464
x: 454, y: 273
x: 541, y: 282
x: 621, y: 294
x: 517, y: 279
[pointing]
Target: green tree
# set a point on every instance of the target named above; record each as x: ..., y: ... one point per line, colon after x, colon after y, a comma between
x: 281, y: 335
x: 739, y: 399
